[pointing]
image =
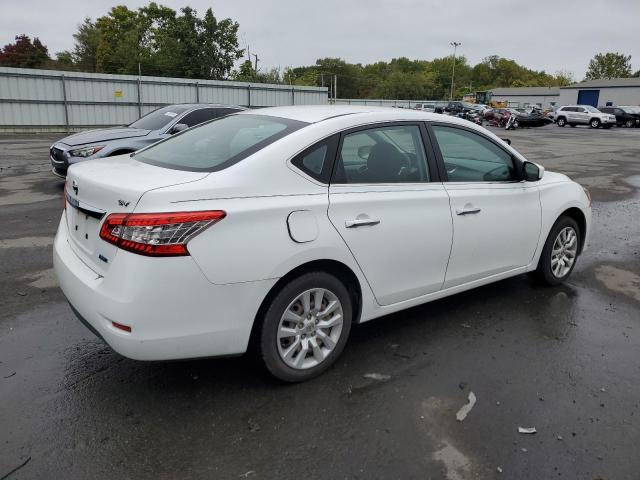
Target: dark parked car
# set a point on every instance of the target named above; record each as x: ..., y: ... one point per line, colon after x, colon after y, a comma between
x: 153, y: 127
x: 627, y: 116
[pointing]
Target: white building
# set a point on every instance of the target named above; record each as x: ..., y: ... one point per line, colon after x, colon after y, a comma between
x: 544, y: 97
x: 602, y: 93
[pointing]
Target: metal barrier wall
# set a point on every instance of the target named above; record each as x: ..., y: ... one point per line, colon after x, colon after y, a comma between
x: 50, y: 100
x: 383, y: 103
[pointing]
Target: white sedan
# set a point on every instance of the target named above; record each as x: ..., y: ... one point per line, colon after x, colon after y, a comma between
x: 284, y: 226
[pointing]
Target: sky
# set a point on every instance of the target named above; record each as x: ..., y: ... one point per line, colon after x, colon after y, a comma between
x: 542, y: 34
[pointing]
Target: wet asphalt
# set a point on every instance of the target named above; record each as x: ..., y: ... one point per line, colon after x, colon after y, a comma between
x: 565, y: 360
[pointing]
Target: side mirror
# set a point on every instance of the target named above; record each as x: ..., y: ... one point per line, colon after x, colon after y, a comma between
x: 532, y: 171
x: 178, y: 127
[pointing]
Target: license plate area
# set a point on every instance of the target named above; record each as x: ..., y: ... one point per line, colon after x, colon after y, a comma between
x: 84, y: 229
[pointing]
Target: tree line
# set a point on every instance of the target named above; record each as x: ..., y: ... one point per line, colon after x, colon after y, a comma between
x: 157, y: 40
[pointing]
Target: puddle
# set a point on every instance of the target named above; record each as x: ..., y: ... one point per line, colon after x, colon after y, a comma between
x: 619, y: 280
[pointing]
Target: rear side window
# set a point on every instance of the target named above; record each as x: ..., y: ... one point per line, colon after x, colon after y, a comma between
x: 317, y: 161
x: 218, y: 144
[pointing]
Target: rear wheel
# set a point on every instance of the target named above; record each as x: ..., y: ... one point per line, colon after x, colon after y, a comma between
x: 629, y: 123
x: 306, y: 327
x: 594, y: 123
x: 560, y: 252
x: 561, y: 122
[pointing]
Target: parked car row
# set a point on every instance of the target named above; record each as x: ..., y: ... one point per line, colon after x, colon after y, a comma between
x: 605, y: 117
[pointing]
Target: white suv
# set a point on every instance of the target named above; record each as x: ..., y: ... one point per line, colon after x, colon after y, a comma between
x: 573, y: 115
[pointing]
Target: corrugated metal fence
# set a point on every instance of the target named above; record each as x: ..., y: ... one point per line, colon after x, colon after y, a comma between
x: 50, y: 100
x: 383, y: 103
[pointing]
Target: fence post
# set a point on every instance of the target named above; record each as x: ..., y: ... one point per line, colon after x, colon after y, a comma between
x: 197, y: 85
x: 139, y: 99
x: 64, y: 100
x: 249, y: 95
x: 293, y: 96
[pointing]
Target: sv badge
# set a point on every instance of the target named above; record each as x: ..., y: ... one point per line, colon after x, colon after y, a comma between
x: 123, y: 203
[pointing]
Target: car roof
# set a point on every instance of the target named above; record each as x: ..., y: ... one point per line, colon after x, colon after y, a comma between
x: 319, y: 113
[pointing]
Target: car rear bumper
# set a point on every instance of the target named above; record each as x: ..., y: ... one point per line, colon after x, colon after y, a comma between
x: 174, y: 312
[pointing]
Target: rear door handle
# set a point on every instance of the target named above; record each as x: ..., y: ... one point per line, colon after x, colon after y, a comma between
x: 361, y: 222
x: 468, y: 209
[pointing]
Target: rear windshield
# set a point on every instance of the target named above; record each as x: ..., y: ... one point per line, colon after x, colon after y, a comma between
x: 159, y: 118
x: 218, y: 144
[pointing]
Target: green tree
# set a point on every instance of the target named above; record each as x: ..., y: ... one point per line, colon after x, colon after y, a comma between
x: 609, y: 65
x: 24, y: 53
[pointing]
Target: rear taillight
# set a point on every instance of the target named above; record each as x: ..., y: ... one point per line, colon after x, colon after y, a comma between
x: 157, y: 234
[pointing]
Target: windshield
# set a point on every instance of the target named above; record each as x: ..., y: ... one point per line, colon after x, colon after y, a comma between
x: 218, y: 144
x: 591, y: 109
x: 159, y: 118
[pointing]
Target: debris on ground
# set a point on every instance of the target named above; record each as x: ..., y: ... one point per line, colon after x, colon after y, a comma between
x: 462, y: 385
x: 247, y: 474
x: 465, y: 325
x: 499, y: 469
x: 22, y: 294
x: 377, y: 376
x: 464, y: 411
x: 253, y: 425
x: 527, y: 430
x: 11, y: 375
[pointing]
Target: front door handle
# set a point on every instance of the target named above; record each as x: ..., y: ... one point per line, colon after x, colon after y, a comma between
x: 468, y: 209
x: 361, y: 222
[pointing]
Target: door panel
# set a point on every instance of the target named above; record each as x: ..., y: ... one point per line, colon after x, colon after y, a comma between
x: 404, y: 248
x: 500, y: 236
x: 496, y: 217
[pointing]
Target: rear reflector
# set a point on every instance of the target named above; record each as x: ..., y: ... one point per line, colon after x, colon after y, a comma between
x: 157, y: 234
x: 120, y: 326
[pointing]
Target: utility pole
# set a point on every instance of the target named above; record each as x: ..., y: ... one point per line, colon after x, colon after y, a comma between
x: 335, y: 88
x: 255, y: 68
x: 455, y: 46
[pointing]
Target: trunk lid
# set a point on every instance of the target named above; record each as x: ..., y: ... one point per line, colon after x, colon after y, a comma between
x: 103, y: 135
x: 100, y: 187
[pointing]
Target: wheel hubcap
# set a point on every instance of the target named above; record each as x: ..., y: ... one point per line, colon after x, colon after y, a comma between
x: 310, y: 328
x: 564, y: 251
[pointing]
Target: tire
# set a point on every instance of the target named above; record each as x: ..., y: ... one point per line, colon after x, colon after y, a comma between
x: 594, y: 123
x: 283, y: 356
x: 629, y: 123
x: 556, y: 273
x: 561, y: 122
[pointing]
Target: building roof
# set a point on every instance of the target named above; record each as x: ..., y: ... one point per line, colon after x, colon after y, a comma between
x: 529, y: 91
x: 607, y: 82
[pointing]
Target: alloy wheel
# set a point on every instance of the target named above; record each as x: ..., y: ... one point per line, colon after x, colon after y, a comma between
x: 563, y: 254
x: 310, y: 328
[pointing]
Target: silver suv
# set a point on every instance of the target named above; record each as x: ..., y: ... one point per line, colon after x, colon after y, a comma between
x: 573, y: 115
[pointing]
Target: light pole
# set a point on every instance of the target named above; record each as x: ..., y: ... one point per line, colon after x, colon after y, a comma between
x: 455, y: 46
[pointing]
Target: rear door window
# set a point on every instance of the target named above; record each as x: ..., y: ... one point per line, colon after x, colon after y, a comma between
x: 317, y: 161
x: 391, y: 154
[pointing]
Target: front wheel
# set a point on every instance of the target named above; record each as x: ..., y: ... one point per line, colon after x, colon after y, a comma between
x: 306, y: 327
x: 560, y: 252
x: 594, y: 123
x: 561, y: 122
